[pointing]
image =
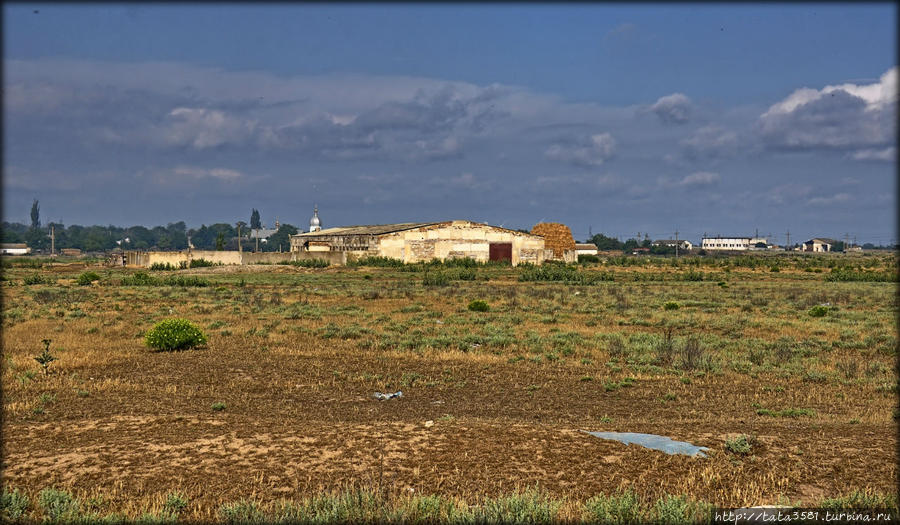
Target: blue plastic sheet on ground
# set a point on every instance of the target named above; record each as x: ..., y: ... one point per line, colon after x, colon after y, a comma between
x: 661, y: 443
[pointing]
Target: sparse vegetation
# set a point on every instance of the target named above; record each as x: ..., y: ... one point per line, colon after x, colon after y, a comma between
x: 86, y: 278
x: 491, y: 401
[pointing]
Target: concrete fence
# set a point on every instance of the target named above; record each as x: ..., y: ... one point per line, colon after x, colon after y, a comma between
x: 184, y: 258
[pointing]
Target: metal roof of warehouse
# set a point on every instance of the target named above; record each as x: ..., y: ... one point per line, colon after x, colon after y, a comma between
x: 375, y: 229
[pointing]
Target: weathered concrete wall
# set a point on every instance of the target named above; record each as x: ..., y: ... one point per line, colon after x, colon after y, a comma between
x: 459, y: 239
x: 334, y: 258
x: 265, y: 257
x: 183, y: 258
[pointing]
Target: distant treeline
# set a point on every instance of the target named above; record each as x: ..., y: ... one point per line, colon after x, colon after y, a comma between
x: 173, y: 236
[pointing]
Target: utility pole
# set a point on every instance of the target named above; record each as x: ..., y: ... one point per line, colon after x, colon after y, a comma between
x: 240, y: 249
x: 52, y: 240
x: 846, y: 241
x: 788, y: 244
x: 676, y: 243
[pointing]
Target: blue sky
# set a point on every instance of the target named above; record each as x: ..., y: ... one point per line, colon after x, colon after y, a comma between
x: 622, y: 119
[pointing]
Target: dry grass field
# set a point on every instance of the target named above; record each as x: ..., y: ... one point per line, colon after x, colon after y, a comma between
x: 275, y: 417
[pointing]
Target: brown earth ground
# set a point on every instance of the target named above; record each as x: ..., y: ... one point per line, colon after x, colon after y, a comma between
x: 300, y: 416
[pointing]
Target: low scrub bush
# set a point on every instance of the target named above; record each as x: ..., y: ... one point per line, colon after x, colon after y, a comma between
x: 86, y: 278
x: 175, y: 334
x: 58, y: 506
x: 792, y: 413
x: 37, y: 278
x: 526, y: 507
x: 671, y: 305
x: 433, y: 278
x: 13, y: 505
x: 145, y: 279
x: 157, y: 266
x: 562, y: 273
x: 479, y: 306
x: 202, y: 263
x: 139, y: 279
x: 845, y: 275
x: 622, y: 508
x: 241, y: 512
x: 377, y: 261
x: 818, y: 311
x: 309, y: 263
x: 741, y: 445
x: 588, y: 258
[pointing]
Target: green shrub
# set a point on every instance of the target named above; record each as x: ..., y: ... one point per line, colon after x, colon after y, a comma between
x: 671, y: 305
x: 175, y: 503
x: 218, y: 406
x: 37, y: 278
x: 624, y: 508
x: 13, y: 505
x: 818, y: 311
x: 175, y: 334
x: 139, y: 279
x: 479, y: 306
x: 384, y: 262
x: 741, y: 445
x: 157, y: 266
x: 588, y: 258
x: 58, y: 505
x: 309, y: 263
x: 527, y: 507
x: 182, y: 280
x: 86, y: 278
x: 434, y: 278
x: 201, y: 263
x: 241, y: 512
x: 677, y: 509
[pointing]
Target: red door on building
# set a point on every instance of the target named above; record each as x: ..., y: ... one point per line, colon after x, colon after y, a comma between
x: 500, y: 251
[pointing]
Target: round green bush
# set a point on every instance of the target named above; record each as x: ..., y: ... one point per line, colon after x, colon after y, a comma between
x: 818, y: 311
x: 86, y: 278
x: 479, y: 306
x: 175, y: 334
x: 671, y: 305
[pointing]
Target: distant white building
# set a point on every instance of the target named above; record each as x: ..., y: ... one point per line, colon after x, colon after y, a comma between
x: 14, y: 249
x: 585, y: 249
x: 733, y: 243
x: 819, y: 244
x: 681, y: 243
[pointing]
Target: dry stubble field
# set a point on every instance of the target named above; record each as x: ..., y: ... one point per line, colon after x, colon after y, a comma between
x: 295, y: 355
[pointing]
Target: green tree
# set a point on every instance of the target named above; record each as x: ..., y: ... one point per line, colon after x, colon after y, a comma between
x: 630, y: 245
x: 220, y: 241
x: 255, y: 223
x: 602, y: 242
x: 35, y: 214
x: 281, y: 238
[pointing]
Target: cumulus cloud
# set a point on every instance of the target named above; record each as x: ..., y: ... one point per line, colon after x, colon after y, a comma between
x: 709, y: 142
x: 673, y: 109
x: 588, y: 151
x: 843, y: 117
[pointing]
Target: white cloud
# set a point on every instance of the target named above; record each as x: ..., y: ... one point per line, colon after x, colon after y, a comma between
x: 844, y: 117
x: 828, y: 201
x: 700, y: 178
x: 215, y: 173
x: 876, y: 95
x: 673, y: 109
x: 592, y: 150
x: 883, y: 155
